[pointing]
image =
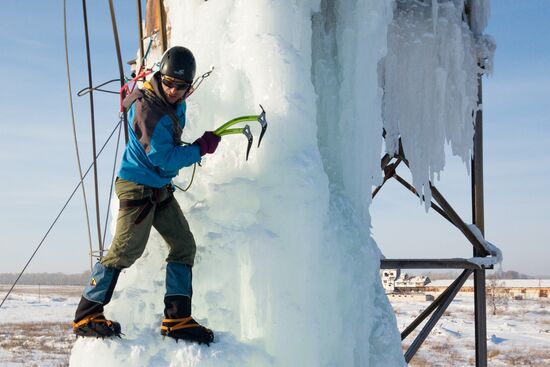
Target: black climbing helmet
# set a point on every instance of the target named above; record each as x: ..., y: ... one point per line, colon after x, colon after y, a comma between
x: 178, y: 62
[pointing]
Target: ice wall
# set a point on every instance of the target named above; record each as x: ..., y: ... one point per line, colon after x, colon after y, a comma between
x: 287, y: 272
x: 349, y: 39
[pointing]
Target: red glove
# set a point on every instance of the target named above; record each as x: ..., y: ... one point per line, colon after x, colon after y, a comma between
x: 208, y: 142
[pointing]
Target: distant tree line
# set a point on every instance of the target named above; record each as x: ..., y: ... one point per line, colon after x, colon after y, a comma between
x: 509, y: 274
x: 491, y: 274
x: 46, y: 278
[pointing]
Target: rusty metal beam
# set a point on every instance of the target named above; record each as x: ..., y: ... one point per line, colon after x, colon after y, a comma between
x: 478, y: 214
x: 441, y: 307
x: 411, y: 188
x: 385, y: 160
x: 389, y: 171
x: 428, y: 264
x: 455, y: 218
x: 442, y: 297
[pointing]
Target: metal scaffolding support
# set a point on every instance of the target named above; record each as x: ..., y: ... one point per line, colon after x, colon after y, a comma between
x: 389, y: 165
x: 478, y: 216
x: 438, y: 307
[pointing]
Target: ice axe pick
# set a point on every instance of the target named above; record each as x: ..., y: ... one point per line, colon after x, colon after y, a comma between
x: 226, y: 129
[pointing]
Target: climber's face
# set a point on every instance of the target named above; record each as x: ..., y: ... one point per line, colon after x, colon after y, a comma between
x: 174, y: 89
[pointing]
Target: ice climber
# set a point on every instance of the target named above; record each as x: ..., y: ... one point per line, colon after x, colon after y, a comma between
x: 153, y: 156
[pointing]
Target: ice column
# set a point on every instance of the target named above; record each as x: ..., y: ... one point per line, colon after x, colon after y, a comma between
x: 430, y: 84
x: 349, y: 39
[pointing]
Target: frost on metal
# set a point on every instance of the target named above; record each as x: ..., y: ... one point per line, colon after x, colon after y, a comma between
x: 494, y: 251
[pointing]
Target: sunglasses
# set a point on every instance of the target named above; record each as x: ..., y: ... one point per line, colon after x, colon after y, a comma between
x: 173, y: 84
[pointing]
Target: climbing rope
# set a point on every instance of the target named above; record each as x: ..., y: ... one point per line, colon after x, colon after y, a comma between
x: 119, y: 61
x: 61, y: 212
x: 112, y: 184
x: 90, y: 84
x: 87, y: 90
x: 74, y: 128
x: 190, y: 182
x: 152, y: 38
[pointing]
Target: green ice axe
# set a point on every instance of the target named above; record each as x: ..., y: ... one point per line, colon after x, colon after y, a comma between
x: 240, y: 130
x: 225, y: 128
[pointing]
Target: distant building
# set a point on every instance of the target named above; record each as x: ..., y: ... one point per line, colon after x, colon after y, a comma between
x: 388, y: 279
x: 411, y: 282
x: 516, y: 288
x: 393, y: 282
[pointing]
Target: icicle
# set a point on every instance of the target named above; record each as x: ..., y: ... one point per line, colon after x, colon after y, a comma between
x: 435, y: 15
x: 430, y: 87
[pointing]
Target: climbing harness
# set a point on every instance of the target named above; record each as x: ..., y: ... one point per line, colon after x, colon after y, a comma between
x: 148, y: 203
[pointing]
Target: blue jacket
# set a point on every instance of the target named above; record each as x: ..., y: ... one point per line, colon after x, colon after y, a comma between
x: 153, y: 155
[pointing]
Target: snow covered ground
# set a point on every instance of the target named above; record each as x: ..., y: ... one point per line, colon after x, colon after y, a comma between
x: 35, y: 325
x: 517, y: 336
x: 38, y: 333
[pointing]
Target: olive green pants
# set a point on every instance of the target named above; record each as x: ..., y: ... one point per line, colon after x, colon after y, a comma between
x: 131, y: 237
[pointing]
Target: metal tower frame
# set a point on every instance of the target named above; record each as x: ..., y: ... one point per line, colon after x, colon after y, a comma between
x: 441, y: 206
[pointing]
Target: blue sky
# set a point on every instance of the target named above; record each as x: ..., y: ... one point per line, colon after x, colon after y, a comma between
x: 37, y: 156
x: 39, y: 167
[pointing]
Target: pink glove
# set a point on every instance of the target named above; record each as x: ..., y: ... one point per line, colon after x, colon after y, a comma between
x: 208, y: 142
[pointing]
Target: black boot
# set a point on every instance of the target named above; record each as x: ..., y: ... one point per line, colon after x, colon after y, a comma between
x: 89, y: 319
x: 97, y: 326
x: 179, y: 324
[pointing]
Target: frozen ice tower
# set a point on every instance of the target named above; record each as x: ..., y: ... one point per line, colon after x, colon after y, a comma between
x: 287, y: 273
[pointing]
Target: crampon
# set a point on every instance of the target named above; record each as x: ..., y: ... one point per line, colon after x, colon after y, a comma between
x: 186, y: 329
x: 97, y: 326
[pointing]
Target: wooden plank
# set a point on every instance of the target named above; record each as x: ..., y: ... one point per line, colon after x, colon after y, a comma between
x: 140, y: 31
x: 152, y: 17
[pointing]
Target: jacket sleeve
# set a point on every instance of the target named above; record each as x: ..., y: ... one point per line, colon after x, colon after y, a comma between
x: 163, y: 153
